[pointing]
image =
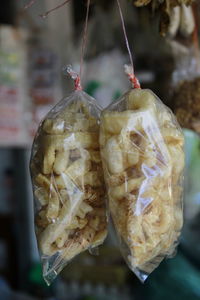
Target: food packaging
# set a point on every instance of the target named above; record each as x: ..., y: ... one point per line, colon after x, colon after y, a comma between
x: 68, y: 184
x: 143, y: 161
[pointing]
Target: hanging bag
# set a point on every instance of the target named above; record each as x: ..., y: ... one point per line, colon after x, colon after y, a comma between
x: 143, y: 160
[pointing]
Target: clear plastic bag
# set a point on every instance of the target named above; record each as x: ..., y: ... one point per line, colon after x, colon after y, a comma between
x: 143, y: 161
x: 68, y: 183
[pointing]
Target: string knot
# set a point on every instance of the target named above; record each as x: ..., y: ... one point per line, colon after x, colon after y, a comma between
x: 74, y: 75
x: 133, y: 79
x: 77, y: 83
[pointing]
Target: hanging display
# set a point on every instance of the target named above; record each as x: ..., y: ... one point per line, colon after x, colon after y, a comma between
x: 136, y: 146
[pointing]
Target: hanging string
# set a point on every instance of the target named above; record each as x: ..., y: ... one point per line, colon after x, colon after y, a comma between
x: 53, y: 9
x: 129, y: 71
x: 49, y: 11
x: 68, y: 69
x: 28, y: 5
x: 84, y: 40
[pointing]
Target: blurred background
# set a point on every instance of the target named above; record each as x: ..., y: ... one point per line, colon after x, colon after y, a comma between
x: 33, y: 52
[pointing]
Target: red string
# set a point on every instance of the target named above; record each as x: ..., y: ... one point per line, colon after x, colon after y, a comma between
x: 131, y: 74
x: 133, y: 79
x: 75, y: 76
x: 77, y: 84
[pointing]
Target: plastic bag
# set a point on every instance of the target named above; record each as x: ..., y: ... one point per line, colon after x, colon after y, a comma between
x: 143, y: 160
x: 68, y: 183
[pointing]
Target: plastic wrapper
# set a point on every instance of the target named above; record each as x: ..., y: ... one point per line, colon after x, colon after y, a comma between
x: 143, y: 161
x: 68, y: 183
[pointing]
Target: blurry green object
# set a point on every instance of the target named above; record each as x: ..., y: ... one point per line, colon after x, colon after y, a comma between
x: 91, y: 87
x: 36, y: 284
x: 175, y: 279
x: 35, y: 275
x: 191, y: 231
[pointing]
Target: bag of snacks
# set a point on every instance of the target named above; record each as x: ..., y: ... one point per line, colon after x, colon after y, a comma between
x: 142, y: 152
x: 68, y: 183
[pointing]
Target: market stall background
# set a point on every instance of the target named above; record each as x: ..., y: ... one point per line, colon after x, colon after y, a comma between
x: 33, y: 52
